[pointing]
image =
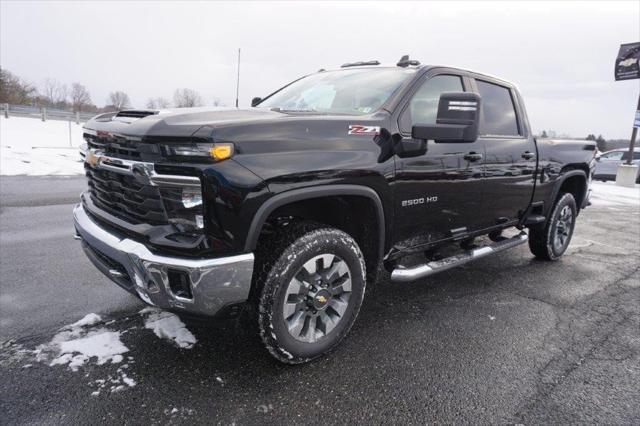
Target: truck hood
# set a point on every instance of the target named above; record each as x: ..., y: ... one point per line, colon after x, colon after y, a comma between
x: 229, y: 124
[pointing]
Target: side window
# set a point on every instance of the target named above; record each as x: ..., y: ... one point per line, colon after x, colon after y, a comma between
x: 615, y: 155
x: 498, y: 111
x: 625, y: 156
x: 423, y: 106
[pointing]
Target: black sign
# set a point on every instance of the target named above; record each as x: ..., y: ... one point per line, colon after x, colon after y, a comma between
x: 628, y: 62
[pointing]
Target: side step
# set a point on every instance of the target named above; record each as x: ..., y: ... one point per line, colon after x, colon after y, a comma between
x: 402, y: 274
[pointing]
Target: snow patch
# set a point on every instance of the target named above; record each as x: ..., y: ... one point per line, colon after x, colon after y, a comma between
x: 611, y: 195
x: 29, y: 146
x: 89, y: 319
x: 102, y: 344
x: 168, y: 326
x: 89, y: 341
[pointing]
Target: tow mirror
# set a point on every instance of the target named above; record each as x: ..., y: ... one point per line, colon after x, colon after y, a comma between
x: 457, y: 120
x: 255, y: 101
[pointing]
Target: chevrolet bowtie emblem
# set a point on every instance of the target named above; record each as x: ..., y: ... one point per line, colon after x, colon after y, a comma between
x: 92, y: 158
x: 321, y: 299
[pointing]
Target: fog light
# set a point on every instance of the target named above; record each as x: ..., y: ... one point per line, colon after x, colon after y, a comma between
x: 191, y: 197
x: 199, y: 221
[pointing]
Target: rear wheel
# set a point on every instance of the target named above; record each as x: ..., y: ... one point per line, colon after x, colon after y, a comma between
x: 550, y: 241
x: 311, y: 292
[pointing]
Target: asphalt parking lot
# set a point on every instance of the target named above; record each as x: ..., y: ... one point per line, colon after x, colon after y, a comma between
x: 507, y: 339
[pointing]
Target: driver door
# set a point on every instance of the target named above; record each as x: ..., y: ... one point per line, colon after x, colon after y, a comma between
x: 439, y: 195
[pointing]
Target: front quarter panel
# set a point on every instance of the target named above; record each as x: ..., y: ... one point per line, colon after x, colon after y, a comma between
x: 320, y: 153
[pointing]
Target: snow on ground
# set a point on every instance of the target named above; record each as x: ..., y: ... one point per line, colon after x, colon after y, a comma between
x: 611, y: 195
x: 91, y: 341
x: 29, y: 146
x: 168, y: 326
x: 77, y: 345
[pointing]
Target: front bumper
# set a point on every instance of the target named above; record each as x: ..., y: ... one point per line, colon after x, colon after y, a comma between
x: 211, y: 284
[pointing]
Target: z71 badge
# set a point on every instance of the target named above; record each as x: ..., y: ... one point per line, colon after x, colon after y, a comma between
x: 360, y: 130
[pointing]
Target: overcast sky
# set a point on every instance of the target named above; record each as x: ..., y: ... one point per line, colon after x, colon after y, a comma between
x: 561, y: 55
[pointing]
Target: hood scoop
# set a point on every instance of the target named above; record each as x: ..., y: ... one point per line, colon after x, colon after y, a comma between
x: 130, y: 115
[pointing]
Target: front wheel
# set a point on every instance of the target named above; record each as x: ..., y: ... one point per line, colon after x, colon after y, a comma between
x: 550, y: 241
x: 311, y: 294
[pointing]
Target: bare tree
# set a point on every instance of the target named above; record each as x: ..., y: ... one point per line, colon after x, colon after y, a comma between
x: 14, y: 90
x: 80, y: 97
x: 163, y: 103
x: 55, y: 93
x: 158, y: 103
x: 118, y: 100
x: 186, y: 98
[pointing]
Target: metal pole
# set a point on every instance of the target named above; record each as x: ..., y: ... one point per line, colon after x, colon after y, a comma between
x: 77, y: 117
x: 6, y: 110
x: 238, y: 80
x: 70, y: 144
x: 44, y: 114
x: 632, y: 142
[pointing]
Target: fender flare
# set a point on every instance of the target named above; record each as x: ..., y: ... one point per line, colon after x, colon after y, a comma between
x: 300, y: 194
x: 563, y: 176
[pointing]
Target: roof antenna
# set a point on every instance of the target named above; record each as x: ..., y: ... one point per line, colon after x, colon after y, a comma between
x: 405, y: 61
x: 238, y: 80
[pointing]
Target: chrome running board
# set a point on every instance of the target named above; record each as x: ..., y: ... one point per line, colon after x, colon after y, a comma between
x: 402, y: 274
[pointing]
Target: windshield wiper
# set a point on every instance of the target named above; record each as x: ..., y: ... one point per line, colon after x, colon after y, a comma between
x: 278, y: 109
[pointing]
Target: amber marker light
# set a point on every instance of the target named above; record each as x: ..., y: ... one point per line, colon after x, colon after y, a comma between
x: 221, y: 151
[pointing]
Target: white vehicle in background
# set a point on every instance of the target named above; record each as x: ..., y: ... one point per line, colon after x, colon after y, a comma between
x: 607, y: 164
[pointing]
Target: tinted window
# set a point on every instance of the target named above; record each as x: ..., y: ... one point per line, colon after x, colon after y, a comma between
x: 499, y: 115
x: 636, y: 155
x: 423, y: 107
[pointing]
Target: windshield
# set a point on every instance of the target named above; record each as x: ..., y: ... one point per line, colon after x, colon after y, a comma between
x: 354, y: 92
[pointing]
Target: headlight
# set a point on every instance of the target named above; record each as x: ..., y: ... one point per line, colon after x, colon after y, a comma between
x: 215, y: 151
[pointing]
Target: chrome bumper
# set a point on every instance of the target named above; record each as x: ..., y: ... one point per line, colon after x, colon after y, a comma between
x: 213, y: 283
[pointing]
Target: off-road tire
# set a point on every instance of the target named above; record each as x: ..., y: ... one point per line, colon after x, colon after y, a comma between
x: 281, y: 258
x: 541, y: 237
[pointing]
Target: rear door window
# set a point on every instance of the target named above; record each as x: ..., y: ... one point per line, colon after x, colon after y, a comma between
x: 498, y: 110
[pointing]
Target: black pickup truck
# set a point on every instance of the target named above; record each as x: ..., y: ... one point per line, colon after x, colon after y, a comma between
x: 286, y: 210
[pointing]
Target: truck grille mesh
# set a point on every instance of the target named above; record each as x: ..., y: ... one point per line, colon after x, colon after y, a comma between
x: 116, y: 147
x: 124, y: 197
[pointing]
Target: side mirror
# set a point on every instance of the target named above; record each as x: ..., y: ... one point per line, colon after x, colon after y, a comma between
x: 255, y: 101
x: 457, y: 120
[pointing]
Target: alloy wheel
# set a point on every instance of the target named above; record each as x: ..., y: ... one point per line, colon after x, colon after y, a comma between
x: 317, y: 298
x: 563, y: 228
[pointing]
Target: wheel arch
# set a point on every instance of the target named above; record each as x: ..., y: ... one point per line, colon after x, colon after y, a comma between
x: 572, y: 179
x: 331, y: 196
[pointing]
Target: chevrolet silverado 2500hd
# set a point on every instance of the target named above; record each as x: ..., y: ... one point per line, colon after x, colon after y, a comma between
x: 290, y: 207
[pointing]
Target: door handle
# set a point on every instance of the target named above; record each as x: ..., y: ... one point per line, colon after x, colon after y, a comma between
x: 528, y: 155
x: 472, y: 156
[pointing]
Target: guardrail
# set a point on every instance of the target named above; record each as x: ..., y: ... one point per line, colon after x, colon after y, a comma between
x: 45, y: 114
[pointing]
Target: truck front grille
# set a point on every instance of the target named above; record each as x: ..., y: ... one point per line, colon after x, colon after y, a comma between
x: 116, y: 147
x: 124, y: 197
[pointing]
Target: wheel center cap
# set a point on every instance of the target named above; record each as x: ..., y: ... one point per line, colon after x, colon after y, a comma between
x: 321, y: 299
